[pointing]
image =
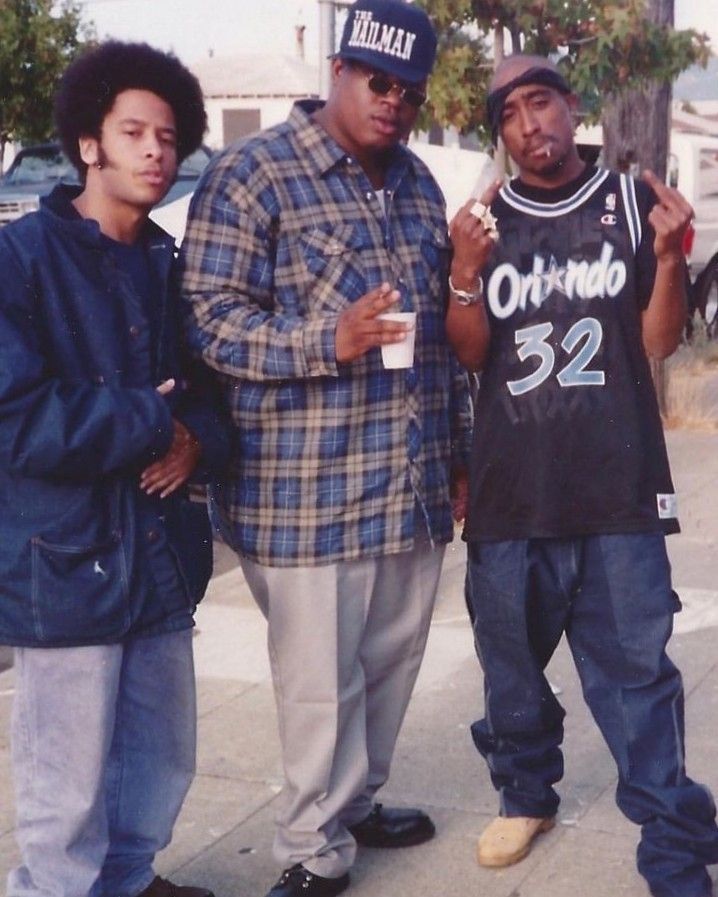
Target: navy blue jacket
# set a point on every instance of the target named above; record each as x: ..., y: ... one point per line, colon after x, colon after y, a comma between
x: 85, y: 556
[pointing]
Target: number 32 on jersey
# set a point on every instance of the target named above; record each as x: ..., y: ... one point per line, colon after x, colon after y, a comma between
x: 532, y: 342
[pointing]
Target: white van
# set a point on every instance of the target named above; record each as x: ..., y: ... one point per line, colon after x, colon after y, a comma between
x: 693, y: 169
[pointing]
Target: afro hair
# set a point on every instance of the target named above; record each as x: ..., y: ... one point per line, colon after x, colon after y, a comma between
x: 90, y: 85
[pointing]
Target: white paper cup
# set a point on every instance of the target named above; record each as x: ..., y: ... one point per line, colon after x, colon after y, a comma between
x: 400, y: 355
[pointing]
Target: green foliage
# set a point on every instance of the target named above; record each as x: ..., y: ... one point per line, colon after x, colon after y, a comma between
x: 605, y: 46
x: 38, y: 38
x: 458, y: 86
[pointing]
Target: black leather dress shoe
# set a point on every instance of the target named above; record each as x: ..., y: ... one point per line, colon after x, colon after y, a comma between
x: 299, y: 882
x: 393, y: 827
x: 161, y: 887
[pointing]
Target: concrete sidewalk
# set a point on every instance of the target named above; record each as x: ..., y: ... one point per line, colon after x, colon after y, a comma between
x: 224, y: 836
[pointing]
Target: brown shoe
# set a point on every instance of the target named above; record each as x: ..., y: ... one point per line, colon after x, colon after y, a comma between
x: 161, y: 887
x: 508, y: 839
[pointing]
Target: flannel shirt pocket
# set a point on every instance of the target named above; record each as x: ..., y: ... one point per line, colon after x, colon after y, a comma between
x: 332, y: 272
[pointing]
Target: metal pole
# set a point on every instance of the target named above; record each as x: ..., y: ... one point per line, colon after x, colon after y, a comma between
x: 327, y: 40
x: 501, y: 162
x: 327, y: 20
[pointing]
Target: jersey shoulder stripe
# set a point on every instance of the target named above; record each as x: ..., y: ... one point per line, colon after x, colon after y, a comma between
x: 554, y: 210
x: 630, y: 203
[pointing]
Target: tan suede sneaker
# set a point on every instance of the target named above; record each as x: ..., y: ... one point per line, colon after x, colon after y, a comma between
x: 508, y: 839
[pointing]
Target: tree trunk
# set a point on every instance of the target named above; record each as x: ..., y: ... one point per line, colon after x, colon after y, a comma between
x: 636, y: 129
x: 636, y: 135
x: 636, y: 124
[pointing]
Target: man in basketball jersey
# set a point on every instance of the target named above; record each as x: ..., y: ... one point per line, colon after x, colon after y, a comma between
x: 563, y: 281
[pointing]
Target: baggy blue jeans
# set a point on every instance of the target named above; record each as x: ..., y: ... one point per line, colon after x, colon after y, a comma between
x: 103, y: 751
x: 612, y: 597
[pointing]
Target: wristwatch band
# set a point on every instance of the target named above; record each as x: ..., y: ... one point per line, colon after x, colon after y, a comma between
x: 464, y: 297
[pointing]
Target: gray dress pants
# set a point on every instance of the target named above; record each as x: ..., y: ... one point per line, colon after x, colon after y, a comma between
x: 345, y: 644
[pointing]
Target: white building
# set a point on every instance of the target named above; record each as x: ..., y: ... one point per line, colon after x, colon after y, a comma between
x: 245, y: 93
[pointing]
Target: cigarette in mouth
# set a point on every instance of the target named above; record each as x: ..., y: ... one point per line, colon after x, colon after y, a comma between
x: 547, y: 152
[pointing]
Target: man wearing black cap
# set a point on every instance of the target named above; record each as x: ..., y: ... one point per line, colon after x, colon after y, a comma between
x: 337, y: 502
x: 559, y: 291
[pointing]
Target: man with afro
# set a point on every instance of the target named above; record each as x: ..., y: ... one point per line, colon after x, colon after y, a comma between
x: 103, y: 558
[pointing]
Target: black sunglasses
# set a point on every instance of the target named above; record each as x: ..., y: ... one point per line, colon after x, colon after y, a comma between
x: 382, y: 85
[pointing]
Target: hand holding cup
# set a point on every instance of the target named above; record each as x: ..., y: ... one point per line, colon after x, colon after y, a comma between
x: 364, y: 324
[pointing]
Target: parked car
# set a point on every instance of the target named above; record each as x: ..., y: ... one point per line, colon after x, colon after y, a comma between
x: 33, y: 173
x: 693, y: 169
x: 35, y: 170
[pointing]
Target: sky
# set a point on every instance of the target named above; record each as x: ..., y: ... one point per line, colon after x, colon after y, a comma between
x: 194, y: 28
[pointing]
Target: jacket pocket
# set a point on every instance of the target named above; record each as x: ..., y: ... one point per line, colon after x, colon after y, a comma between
x: 79, y: 593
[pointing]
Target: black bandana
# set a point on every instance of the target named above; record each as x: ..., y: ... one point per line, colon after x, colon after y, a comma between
x: 535, y: 75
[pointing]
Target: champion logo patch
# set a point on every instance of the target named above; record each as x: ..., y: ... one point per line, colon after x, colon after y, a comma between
x: 667, y: 506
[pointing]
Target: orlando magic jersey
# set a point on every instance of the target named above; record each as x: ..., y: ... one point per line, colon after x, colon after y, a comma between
x: 568, y: 438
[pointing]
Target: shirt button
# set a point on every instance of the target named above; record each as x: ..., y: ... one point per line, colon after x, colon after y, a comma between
x: 134, y: 331
x: 152, y: 535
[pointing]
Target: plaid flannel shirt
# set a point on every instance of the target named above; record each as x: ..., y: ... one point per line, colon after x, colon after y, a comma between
x: 330, y: 460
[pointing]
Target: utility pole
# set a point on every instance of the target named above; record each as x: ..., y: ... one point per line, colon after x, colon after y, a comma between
x: 501, y: 162
x: 327, y: 40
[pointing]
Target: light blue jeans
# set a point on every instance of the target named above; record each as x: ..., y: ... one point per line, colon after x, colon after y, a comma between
x: 103, y: 751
